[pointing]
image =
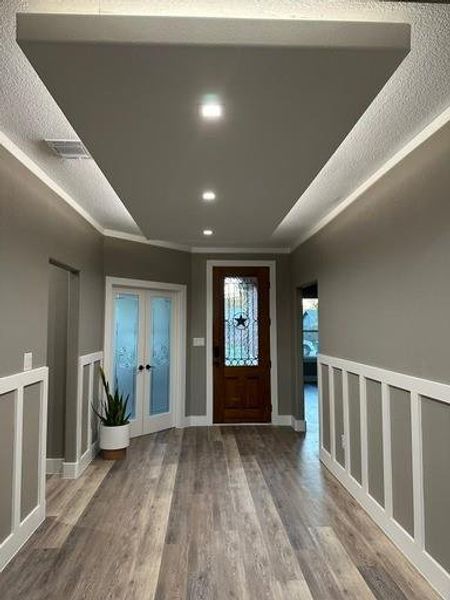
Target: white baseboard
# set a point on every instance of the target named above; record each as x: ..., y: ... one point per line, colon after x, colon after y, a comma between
x: 197, y: 421
x: 286, y: 420
x: 281, y: 420
x: 53, y: 466
x: 14, y: 542
x: 298, y: 425
x: 72, y: 470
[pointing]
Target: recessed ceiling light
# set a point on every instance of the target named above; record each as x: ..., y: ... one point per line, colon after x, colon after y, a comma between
x: 211, y: 109
x: 209, y: 195
x: 208, y: 232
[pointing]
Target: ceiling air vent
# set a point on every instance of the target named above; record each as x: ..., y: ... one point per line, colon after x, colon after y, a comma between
x: 68, y: 148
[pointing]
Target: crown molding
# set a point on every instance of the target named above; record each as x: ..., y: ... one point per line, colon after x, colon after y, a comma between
x: 140, y: 239
x: 36, y: 170
x: 428, y: 131
x: 209, y: 250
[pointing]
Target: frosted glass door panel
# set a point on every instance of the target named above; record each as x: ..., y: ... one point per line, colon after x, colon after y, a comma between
x: 160, y: 350
x: 126, y: 341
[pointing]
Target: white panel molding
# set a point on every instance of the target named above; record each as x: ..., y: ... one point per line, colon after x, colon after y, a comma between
x: 72, y: 470
x: 22, y: 529
x: 413, y: 546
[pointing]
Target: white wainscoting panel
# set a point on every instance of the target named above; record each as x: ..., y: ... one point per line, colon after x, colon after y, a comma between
x: 72, y: 470
x: 413, y: 546
x: 23, y: 526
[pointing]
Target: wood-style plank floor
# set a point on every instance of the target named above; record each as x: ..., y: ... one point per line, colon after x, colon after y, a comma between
x: 209, y: 513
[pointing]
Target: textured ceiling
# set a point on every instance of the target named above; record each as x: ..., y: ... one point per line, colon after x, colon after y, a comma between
x: 418, y: 92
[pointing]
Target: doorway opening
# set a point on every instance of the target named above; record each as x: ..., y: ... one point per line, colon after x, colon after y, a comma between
x: 145, y: 351
x: 62, y: 355
x: 309, y: 348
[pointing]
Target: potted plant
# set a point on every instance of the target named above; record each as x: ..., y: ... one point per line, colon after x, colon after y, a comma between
x: 114, y: 423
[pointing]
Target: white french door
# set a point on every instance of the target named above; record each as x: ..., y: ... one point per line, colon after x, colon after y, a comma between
x: 143, y: 355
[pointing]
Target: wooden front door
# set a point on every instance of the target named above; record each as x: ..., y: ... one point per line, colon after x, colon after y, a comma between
x: 241, y: 345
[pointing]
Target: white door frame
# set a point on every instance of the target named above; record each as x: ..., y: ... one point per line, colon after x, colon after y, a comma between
x: 210, y: 264
x: 179, y: 334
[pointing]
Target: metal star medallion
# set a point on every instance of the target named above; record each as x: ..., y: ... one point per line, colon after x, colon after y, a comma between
x: 241, y: 321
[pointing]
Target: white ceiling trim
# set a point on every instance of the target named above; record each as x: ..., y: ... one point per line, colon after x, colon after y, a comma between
x: 140, y: 239
x: 143, y: 240
x: 398, y: 157
x: 29, y: 164
x: 208, y: 250
x: 435, y: 125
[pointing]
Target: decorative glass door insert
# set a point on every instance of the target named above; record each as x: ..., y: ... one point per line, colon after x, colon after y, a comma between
x: 241, y: 321
x: 126, y: 347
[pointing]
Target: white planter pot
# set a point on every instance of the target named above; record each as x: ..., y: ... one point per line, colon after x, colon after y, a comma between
x: 114, y: 438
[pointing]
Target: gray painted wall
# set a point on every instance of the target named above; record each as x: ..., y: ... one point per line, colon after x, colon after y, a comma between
x: 58, y: 313
x: 339, y: 415
x: 382, y: 268
x: 30, y: 448
x: 354, y: 410
x: 36, y: 226
x: 401, y: 453
x: 326, y: 431
x: 375, y: 441
x: 6, y: 462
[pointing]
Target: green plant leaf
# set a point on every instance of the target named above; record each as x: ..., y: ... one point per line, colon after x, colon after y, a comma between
x: 114, y: 408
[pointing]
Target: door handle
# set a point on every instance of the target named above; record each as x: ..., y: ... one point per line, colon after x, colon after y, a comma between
x: 148, y: 367
x: 140, y: 367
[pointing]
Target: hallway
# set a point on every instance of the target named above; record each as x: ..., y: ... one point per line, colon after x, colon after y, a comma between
x: 209, y: 513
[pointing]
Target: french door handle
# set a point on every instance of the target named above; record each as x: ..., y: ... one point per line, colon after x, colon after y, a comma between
x: 140, y: 367
x: 148, y: 367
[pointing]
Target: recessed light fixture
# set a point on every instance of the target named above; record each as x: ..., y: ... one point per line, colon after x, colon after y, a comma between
x: 208, y: 232
x: 211, y: 108
x: 209, y: 195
